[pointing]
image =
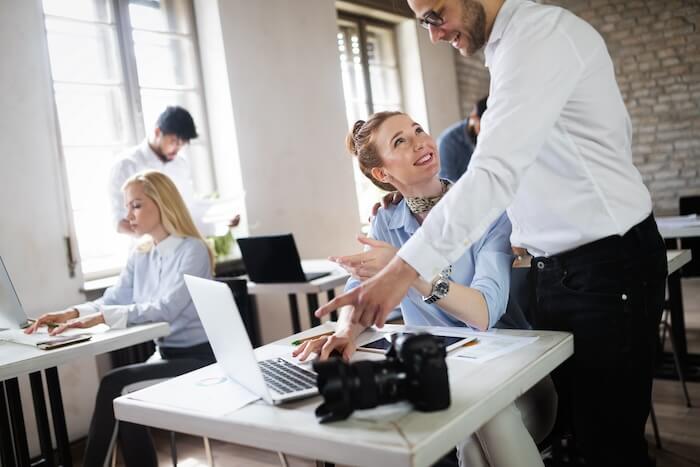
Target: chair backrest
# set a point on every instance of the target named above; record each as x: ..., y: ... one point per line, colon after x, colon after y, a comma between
x: 246, y: 306
x: 690, y: 205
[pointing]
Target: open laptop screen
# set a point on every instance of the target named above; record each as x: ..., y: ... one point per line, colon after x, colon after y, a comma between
x: 274, y: 259
x: 12, y: 315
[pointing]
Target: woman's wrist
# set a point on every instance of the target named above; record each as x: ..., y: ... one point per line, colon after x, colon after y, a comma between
x: 73, y: 313
x: 349, y: 330
x: 423, y: 287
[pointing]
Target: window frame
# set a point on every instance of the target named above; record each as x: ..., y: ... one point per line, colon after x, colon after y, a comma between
x: 362, y: 22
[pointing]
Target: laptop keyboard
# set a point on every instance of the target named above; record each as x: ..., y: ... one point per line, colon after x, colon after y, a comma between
x: 285, y: 377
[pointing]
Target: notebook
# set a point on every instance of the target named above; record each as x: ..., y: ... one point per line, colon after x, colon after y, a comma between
x: 13, y: 320
x: 274, y: 259
x: 275, y: 380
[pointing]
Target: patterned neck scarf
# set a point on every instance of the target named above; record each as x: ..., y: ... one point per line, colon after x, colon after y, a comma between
x: 420, y: 205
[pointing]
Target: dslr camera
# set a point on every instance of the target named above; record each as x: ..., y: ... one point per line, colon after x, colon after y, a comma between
x: 414, y: 370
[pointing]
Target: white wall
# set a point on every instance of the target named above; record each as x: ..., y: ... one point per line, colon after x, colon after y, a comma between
x: 33, y: 227
x: 288, y: 119
x: 289, y: 113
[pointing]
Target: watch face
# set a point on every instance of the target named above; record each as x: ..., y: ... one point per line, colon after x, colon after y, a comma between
x: 441, y: 288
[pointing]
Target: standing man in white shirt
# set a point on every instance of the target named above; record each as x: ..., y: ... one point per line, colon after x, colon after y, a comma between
x: 555, y: 152
x: 173, y: 130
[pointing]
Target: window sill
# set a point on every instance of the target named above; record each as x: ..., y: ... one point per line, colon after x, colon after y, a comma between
x: 226, y: 267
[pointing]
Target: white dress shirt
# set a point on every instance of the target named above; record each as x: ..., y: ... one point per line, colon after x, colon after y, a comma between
x: 554, y: 147
x: 142, y: 157
x: 151, y: 288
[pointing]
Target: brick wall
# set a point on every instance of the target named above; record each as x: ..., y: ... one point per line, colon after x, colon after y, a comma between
x: 655, y: 47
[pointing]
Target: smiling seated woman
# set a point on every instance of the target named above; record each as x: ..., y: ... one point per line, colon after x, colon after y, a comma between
x: 395, y: 153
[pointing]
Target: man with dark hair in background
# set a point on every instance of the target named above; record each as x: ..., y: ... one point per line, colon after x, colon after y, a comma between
x: 173, y: 130
x: 457, y: 143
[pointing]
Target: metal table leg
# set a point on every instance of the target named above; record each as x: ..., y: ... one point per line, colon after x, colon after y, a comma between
x: 19, y: 433
x: 7, y: 452
x: 59, y: 417
x: 254, y: 321
x: 312, y: 298
x: 675, y: 300
x: 331, y: 295
x: 42, y: 419
x: 294, y: 309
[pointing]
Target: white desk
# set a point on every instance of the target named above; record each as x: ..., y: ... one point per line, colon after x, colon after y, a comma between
x: 336, y: 278
x: 17, y: 360
x: 677, y: 259
x: 416, y: 439
x: 673, y: 229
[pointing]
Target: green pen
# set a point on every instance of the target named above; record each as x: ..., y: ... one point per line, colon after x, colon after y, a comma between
x: 301, y: 341
x: 31, y: 321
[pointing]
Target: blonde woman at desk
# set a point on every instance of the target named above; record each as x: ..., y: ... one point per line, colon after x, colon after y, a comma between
x: 396, y: 154
x: 150, y: 288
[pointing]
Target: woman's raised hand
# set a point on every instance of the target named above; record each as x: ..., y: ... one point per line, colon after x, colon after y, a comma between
x: 364, y: 265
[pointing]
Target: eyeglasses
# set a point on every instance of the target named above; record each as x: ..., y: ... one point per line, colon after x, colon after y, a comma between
x: 431, y: 18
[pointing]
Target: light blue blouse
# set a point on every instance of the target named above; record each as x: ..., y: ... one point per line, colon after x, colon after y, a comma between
x: 485, y: 266
x: 151, y: 288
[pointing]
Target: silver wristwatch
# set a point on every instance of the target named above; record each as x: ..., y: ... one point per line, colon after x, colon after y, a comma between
x: 441, y: 286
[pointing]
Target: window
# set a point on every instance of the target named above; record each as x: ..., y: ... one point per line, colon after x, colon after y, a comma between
x: 371, y: 83
x: 116, y: 64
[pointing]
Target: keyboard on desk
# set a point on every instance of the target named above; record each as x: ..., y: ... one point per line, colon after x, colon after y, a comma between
x: 285, y: 377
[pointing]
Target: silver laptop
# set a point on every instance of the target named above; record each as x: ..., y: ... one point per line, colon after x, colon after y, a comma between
x: 13, y: 319
x: 12, y: 314
x: 276, y: 380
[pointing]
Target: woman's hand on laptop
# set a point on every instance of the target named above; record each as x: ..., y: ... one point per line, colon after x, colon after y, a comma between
x: 87, y: 321
x: 52, y: 319
x: 324, y: 345
x: 364, y: 265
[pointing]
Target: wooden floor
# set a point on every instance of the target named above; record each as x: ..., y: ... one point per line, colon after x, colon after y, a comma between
x: 679, y: 425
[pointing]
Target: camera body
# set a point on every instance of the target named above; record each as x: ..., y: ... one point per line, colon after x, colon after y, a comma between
x: 414, y: 370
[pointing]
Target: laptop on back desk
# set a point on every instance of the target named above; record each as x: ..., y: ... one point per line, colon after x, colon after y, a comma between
x: 274, y: 259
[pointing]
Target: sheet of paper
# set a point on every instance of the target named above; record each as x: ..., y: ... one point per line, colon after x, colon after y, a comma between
x: 488, y: 346
x: 222, y: 209
x: 207, y: 390
x: 384, y: 413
